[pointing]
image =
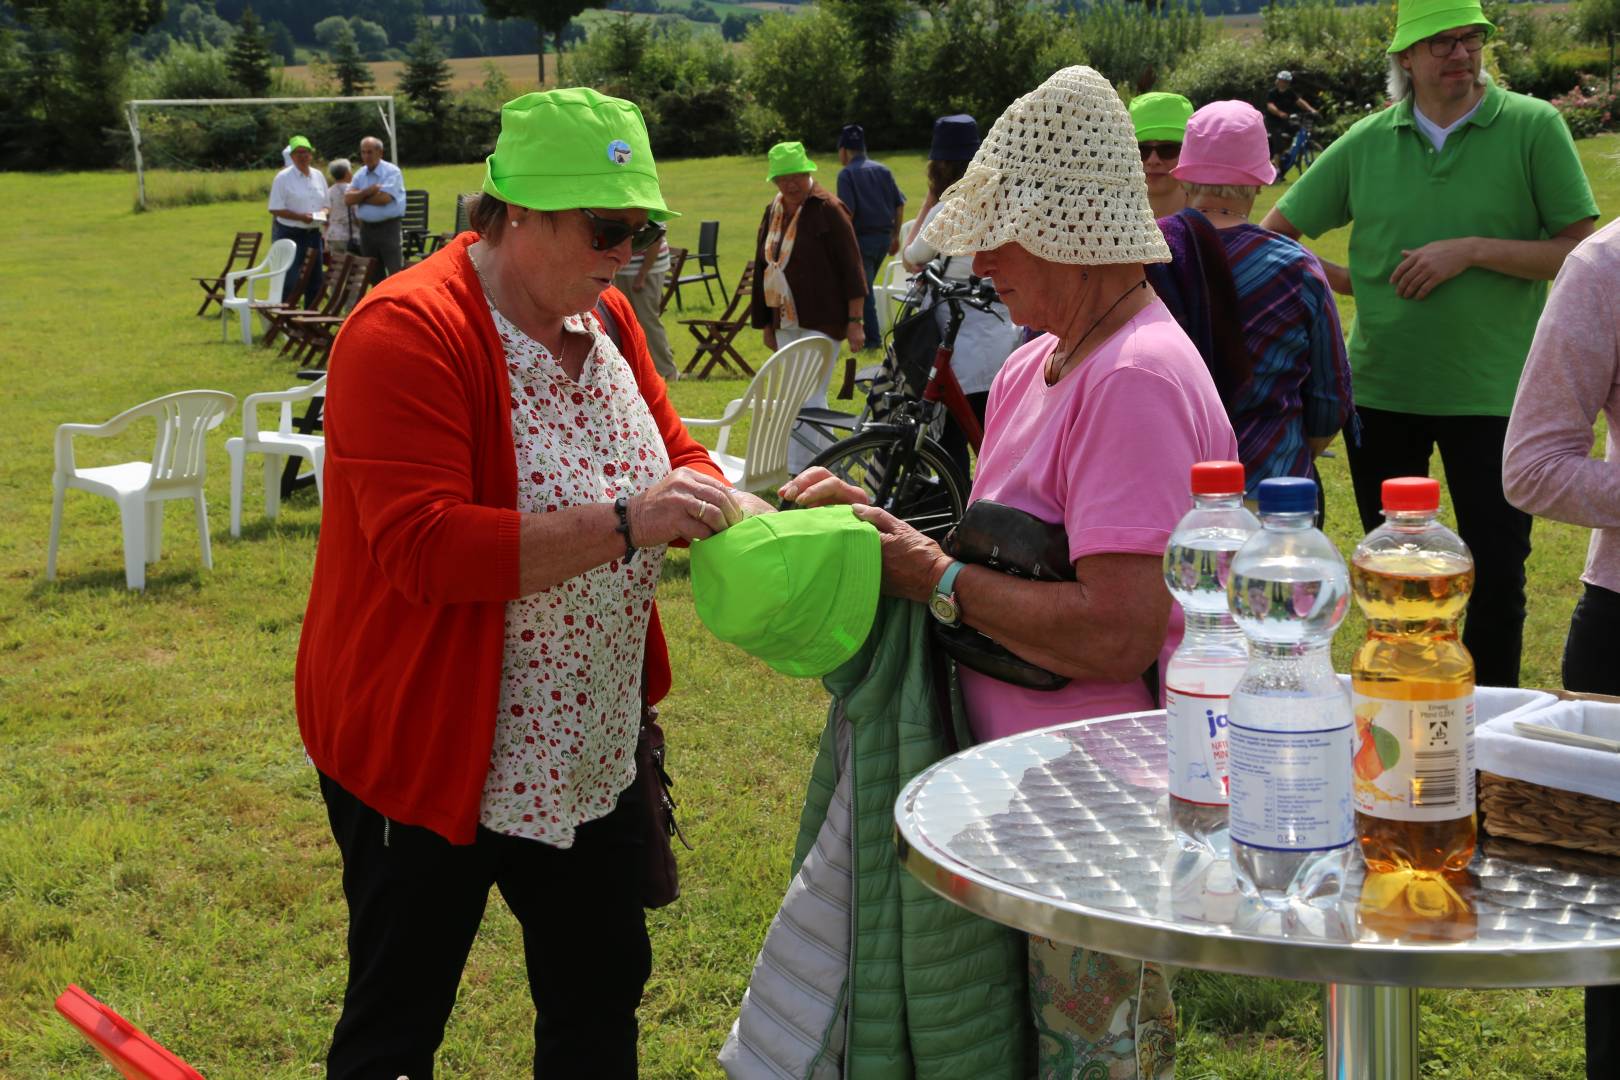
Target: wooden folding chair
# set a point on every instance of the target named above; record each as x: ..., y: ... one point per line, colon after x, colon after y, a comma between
x: 278, y: 315
x: 310, y: 334
x: 715, y: 336
x: 677, y: 259
x: 244, y: 253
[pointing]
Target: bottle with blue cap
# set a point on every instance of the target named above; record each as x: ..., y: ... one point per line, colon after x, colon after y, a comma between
x: 1290, y: 728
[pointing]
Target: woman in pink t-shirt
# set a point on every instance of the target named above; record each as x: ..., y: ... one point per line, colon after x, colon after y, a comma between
x: 1094, y: 425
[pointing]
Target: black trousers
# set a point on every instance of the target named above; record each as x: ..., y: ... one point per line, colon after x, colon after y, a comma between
x: 1497, y: 532
x: 305, y: 239
x: 415, y: 902
x: 1589, y: 667
x: 383, y: 241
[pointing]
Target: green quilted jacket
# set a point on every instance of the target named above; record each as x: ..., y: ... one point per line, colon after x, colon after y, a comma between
x: 935, y: 992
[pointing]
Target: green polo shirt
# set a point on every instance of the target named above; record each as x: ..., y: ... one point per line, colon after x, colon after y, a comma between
x: 1511, y: 173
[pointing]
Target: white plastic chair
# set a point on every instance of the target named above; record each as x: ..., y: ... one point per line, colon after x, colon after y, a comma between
x: 770, y: 405
x: 891, y: 287
x: 275, y: 446
x: 273, y: 271
x: 176, y: 471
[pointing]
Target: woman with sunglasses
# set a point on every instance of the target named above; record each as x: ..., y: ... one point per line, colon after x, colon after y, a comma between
x: 1160, y: 121
x: 503, y: 473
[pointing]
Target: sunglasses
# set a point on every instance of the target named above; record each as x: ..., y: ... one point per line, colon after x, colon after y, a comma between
x: 607, y: 233
x: 1167, y: 151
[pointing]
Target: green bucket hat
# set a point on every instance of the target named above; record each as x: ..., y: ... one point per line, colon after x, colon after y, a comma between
x: 1160, y: 117
x: 572, y: 149
x: 787, y: 158
x: 798, y: 589
x: 298, y: 142
x: 1419, y: 19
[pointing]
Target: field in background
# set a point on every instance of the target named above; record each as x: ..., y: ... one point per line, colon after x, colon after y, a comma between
x: 162, y: 842
x: 465, y: 72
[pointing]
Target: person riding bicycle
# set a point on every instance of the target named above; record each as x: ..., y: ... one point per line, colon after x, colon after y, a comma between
x: 1283, y: 104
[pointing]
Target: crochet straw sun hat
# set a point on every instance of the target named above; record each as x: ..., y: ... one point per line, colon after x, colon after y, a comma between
x: 1061, y: 175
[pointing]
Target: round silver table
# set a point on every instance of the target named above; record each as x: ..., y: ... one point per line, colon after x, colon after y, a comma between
x: 1064, y: 832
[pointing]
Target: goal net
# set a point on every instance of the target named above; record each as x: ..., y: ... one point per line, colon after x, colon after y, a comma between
x: 197, y: 150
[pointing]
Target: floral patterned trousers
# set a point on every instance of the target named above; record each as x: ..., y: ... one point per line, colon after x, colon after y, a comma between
x: 1100, y: 1017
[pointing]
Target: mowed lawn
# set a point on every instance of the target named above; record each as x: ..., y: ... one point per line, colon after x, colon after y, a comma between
x: 162, y: 842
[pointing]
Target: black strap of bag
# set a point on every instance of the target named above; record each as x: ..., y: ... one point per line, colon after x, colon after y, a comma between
x: 1011, y: 541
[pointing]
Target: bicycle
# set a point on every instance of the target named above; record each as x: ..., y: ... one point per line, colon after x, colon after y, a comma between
x: 1302, y: 150
x: 894, y: 454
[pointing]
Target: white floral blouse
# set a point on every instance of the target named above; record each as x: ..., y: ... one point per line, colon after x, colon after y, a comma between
x: 570, y: 709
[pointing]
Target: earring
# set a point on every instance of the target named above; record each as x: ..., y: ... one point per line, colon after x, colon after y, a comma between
x: 514, y: 224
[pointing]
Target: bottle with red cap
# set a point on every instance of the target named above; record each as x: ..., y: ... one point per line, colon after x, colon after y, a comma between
x: 1413, y: 688
x: 1212, y: 655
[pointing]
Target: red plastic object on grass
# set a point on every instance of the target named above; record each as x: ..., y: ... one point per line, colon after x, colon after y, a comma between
x: 131, y: 1050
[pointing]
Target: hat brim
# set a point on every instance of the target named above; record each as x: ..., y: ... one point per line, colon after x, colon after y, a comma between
x: 1161, y: 134
x: 1437, y: 23
x: 1224, y: 174
x: 798, y: 167
x: 850, y: 615
x: 629, y: 191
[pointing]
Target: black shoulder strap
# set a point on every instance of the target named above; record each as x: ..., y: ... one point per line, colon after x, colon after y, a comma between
x: 610, y: 325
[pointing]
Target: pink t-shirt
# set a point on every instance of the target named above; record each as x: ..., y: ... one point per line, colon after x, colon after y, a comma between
x: 1108, y: 452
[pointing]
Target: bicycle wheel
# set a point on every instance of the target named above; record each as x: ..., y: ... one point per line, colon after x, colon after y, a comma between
x: 921, y: 487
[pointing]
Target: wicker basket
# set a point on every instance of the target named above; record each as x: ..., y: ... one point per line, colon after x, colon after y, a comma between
x: 1544, y: 815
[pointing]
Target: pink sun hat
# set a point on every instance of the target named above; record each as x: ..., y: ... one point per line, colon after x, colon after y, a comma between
x: 1225, y: 144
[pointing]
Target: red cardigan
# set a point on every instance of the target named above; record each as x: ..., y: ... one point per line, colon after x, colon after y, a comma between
x: 399, y: 665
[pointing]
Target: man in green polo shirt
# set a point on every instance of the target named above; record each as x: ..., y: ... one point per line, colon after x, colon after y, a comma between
x: 1465, y: 198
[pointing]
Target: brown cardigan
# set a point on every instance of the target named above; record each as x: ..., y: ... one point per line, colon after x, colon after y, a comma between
x: 825, y: 272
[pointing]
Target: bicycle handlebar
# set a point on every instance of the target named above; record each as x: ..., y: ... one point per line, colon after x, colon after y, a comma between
x: 976, y: 292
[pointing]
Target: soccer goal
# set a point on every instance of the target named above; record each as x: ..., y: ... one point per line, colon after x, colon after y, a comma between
x: 198, y: 135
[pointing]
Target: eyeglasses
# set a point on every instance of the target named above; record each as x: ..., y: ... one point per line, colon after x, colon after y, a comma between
x: 1443, y: 46
x: 1167, y: 151
x: 607, y: 233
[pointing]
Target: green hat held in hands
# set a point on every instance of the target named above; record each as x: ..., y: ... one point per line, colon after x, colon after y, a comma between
x: 574, y: 148
x: 787, y: 158
x: 1419, y: 19
x: 798, y: 589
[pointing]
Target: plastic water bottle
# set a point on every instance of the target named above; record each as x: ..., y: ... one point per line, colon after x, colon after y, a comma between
x: 1212, y: 655
x: 1413, y: 688
x: 1290, y: 728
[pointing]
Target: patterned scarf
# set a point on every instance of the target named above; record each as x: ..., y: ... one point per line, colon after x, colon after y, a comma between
x: 777, y: 293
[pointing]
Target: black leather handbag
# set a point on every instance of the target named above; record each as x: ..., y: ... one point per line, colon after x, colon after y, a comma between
x: 1003, y: 538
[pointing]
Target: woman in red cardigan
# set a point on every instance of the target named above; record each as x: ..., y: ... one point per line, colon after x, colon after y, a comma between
x: 502, y: 477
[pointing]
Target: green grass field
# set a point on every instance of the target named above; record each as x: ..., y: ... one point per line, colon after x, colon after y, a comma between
x: 162, y: 841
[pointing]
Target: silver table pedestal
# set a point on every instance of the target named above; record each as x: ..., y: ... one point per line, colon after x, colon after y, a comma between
x: 1064, y: 833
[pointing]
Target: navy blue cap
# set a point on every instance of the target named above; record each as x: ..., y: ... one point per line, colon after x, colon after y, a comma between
x: 1287, y: 495
x: 956, y: 138
x: 853, y: 137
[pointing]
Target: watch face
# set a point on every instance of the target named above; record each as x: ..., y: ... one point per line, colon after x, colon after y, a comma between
x: 943, y: 606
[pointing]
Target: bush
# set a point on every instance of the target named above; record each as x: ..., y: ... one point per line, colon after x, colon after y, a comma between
x: 977, y: 57
x: 1137, y: 43
x: 1588, y: 109
x: 799, y: 72
x: 185, y: 71
x: 686, y: 83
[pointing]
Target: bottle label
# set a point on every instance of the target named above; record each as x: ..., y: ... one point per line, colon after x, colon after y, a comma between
x: 1291, y: 789
x: 1414, y: 760
x: 1195, y: 742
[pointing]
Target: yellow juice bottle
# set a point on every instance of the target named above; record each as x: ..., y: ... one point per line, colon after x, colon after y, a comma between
x: 1412, y: 686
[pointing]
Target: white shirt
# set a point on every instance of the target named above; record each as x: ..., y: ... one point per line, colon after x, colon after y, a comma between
x: 984, y: 342
x: 302, y: 193
x: 1437, y: 134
